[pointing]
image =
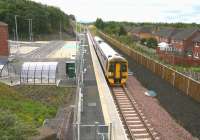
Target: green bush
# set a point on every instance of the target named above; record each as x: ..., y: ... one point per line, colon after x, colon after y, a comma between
x: 12, y: 128
x: 24, y: 108
x: 152, y: 43
x: 143, y: 41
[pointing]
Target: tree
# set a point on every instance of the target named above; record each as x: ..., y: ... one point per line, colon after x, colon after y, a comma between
x: 152, y: 43
x: 46, y: 19
x: 99, y: 23
x: 72, y: 17
x: 122, y: 31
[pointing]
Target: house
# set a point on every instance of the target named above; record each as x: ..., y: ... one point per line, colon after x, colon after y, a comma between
x: 143, y: 32
x: 183, y: 40
x: 196, y: 47
x: 165, y: 34
x: 4, y: 50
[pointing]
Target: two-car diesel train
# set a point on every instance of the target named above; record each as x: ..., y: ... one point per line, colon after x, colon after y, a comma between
x: 115, y: 66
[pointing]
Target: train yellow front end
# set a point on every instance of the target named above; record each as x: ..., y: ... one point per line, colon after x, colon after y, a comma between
x: 117, y: 71
x: 115, y: 66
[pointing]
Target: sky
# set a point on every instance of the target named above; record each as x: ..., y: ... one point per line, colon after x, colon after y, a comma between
x: 187, y: 11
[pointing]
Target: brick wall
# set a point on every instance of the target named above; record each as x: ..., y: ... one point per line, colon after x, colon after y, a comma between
x: 4, y: 51
x: 189, y: 42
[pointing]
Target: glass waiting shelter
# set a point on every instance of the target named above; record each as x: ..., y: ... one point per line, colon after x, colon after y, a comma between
x: 38, y: 73
x: 6, y: 69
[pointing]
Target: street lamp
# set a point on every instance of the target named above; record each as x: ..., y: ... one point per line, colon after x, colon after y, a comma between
x: 17, y: 38
x: 60, y: 31
x: 30, y: 28
x: 16, y: 28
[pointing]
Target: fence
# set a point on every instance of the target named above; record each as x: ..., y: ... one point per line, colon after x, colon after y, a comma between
x: 189, y: 86
x: 175, y: 59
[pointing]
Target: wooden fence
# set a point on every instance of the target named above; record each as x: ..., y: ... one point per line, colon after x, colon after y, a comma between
x: 189, y: 86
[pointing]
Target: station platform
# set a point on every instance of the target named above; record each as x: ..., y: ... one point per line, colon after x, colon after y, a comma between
x: 110, y: 113
x: 91, y: 114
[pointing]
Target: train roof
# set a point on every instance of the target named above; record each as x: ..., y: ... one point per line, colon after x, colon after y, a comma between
x: 107, y: 49
x: 98, y: 39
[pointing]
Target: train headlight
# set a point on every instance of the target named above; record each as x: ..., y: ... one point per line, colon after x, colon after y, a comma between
x: 110, y: 73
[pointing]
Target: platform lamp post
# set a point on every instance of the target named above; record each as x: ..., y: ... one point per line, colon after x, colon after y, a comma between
x: 14, y: 38
x: 60, y: 31
x: 16, y: 34
x: 16, y: 28
x: 30, y: 28
x: 76, y: 51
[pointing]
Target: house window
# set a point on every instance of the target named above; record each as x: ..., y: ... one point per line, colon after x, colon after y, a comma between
x: 197, y: 44
x: 196, y: 55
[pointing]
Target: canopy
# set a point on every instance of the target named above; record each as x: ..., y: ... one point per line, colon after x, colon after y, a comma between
x: 39, y: 72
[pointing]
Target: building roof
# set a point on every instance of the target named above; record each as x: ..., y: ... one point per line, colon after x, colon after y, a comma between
x: 166, y: 32
x: 184, y: 33
x: 3, y: 24
x: 142, y: 30
x: 197, y: 39
x: 39, y: 72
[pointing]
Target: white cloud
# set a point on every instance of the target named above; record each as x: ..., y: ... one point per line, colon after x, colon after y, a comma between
x: 131, y: 10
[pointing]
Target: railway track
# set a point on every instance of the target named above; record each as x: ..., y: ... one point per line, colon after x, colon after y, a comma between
x: 136, y: 125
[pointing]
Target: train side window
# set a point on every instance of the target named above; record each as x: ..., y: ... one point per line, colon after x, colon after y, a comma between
x: 123, y: 68
x: 111, y: 67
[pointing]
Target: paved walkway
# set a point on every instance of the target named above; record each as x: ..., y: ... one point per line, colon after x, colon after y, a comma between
x: 92, y: 111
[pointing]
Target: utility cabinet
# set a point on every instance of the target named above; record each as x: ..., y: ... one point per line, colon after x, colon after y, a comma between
x: 71, y: 69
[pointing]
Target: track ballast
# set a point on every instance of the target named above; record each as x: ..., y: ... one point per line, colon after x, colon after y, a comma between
x: 136, y: 125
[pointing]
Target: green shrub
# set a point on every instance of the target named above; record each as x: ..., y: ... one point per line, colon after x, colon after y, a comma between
x: 12, y: 128
x: 143, y: 41
x: 152, y: 43
x: 24, y: 108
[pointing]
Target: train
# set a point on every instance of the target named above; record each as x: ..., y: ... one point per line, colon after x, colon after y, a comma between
x: 115, y: 66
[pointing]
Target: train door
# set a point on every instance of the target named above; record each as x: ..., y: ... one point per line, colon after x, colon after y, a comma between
x: 115, y: 70
x: 117, y: 73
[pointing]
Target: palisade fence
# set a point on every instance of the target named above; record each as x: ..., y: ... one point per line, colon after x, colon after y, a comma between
x: 182, y: 82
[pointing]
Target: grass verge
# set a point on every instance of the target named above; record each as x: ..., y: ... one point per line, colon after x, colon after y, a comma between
x: 24, y: 108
